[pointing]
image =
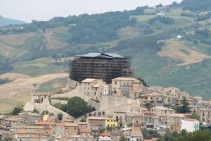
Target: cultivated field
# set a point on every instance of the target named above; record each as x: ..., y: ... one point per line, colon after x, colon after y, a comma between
x: 179, y: 52
x: 20, y: 89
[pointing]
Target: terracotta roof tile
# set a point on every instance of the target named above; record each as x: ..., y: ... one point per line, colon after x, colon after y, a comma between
x: 21, y: 131
x: 43, y: 123
x: 105, y: 134
x: 85, y: 130
x: 136, y: 134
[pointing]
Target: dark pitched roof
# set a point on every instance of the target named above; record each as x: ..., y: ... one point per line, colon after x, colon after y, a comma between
x: 100, y: 55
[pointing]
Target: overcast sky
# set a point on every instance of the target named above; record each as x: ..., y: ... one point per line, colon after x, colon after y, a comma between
x: 28, y: 10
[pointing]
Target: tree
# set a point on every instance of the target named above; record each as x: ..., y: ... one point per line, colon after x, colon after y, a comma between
x: 109, y: 128
x: 202, y: 33
x: 195, y: 116
x: 60, y: 116
x: 83, y: 120
x: 148, y: 105
x: 168, y: 136
x: 201, y: 135
x: 35, y: 111
x: 123, y: 138
x: 146, y: 134
x: 196, y: 5
x: 184, y: 108
x: 143, y: 82
x: 77, y: 107
x: 17, y: 110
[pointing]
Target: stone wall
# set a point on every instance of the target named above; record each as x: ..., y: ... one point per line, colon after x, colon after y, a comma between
x: 57, y: 101
x: 106, y: 101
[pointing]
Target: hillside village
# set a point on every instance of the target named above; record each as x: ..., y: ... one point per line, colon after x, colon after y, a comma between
x: 124, y: 108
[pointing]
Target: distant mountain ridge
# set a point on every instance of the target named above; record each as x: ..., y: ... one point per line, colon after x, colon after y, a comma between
x: 8, y: 21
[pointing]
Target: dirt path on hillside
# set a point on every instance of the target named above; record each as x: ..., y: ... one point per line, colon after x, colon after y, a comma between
x: 23, y: 84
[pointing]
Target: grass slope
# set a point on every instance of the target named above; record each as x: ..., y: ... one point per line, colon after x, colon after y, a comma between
x: 180, y: 64
x: 7, y: 21
x: 38, y: 67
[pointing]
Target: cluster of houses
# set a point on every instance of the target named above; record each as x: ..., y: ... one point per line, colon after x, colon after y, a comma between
x: 132, y: 107
x: 35, y: 127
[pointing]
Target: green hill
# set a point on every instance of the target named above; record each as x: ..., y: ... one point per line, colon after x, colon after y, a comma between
x: 7, y: 21
x: 167, y: 46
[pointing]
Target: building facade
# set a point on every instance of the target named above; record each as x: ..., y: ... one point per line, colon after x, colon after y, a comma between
x: 104, y: 66
x: 190, y: 125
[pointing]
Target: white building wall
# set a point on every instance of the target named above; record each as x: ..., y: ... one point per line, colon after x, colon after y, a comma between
x: 190, y: 125
x: 104, y: 138
x: 134, y: 139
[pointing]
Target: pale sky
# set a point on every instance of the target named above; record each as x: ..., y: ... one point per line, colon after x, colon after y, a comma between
x: 28, y: 10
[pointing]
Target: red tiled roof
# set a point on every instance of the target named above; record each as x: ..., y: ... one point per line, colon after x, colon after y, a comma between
x: 85, y: 130
x: 136, y: 134
x: 59, y: 124
x: 105, y: 134
x: 43, y: 123
x: 191, y: 120
x: 21, y: 131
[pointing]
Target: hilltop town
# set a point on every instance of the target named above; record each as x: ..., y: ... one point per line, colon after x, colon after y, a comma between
x: 123, y: 109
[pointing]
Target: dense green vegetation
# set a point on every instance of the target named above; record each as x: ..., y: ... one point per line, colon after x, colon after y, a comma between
x: 196, y: 5
x: 60, y: 116
x: 99, y: 28
x: 5, y: 65
x: 17, y: 110
x: 76, y: 107
x: 201, y: 135
x: 149, y: 134
x: 161, y: 19
x: 7, y: 21
x: 184, y: 108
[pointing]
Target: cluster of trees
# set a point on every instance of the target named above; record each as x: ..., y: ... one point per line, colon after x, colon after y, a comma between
x: 144, y: 42
x: 196, y: 5
x: 187, y: 14
x: 99, y: 27
x: 203, y: 17
x: 201, y: 135
x: 149, y: 134
x: 76, y: 107
x: 202, y: 33
x: 184, y: 108
x: 75, y: 20
x: 3, y: 81
x: 161, y: 19
x: 5, y: 65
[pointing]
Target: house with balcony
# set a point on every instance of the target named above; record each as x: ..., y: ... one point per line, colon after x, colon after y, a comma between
x: 160, y: 116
